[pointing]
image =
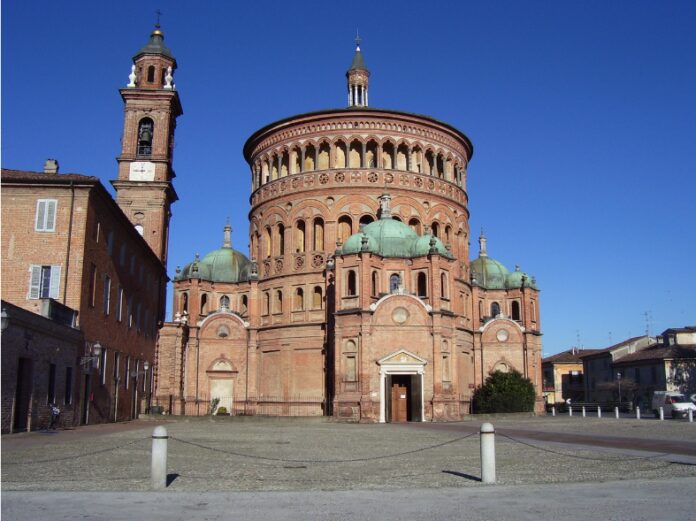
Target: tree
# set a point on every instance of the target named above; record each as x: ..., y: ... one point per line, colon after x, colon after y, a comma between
x: 505, y: 392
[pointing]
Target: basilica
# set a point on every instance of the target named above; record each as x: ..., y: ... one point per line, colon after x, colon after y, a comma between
x: 358, y: 299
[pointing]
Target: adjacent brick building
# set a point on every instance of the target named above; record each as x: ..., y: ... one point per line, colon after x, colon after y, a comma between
x: 65, y: 238
x: 358, y: 300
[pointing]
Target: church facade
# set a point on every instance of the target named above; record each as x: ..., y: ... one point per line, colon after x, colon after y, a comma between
x: 358, y: 299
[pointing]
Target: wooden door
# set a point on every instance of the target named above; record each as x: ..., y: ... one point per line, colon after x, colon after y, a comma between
x: 399, y: 402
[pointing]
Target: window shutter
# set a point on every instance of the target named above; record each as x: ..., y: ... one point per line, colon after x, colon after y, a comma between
x: 50, y: 216
x: 35, y: 281
x: 40, y: 216
x: 55, y: 282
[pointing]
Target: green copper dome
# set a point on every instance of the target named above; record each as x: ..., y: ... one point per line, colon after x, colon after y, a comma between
x: 222, y: 265
x: 489, y: 273
x: 388, y: 237
x: 517, y: 277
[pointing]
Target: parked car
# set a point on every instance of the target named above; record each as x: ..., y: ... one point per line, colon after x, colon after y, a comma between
x: 672, y: 403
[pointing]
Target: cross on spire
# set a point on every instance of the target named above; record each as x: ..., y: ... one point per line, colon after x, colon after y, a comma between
x: 158, y: 13
x: 357, y: 39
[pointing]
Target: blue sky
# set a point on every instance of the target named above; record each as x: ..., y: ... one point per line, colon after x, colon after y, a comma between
x: 582, y: 115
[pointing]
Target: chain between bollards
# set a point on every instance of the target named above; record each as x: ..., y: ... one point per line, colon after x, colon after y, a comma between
x: 487, y: 453
x: 158, y: 468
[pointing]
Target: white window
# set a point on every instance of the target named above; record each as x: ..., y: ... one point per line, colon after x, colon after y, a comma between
x: 46, y: 215
x: 44, y: 282
x: 107, y: 294
x: 102, y: 365
x: 139, y: 228
x: 119, y: 304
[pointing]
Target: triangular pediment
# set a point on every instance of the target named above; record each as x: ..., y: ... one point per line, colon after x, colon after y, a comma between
x: 402, y: 357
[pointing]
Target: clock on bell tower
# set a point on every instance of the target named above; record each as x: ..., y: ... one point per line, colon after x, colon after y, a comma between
x: 144, y: 188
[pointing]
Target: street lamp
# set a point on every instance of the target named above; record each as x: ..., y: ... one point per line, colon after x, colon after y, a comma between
x: 4, y: 324
x: 94, y: 354
x: 618, y: 378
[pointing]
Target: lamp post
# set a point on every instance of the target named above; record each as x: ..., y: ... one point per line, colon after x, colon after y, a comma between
x: 618, y: 378
x: 135, y: 373
x: 94, y: 353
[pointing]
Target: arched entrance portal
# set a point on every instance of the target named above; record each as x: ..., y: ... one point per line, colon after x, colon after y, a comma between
x: 401, y: 387
x: 220, y: 381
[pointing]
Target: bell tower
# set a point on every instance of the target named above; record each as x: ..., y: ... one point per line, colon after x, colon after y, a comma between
x: 144, y: 186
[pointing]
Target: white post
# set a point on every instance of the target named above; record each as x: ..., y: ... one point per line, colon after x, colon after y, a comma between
x: 570, y: 410
x: 637, y: 413
x: 599, y: 411
x: 583, y: 411
x: 158, y: 468
x: 691, y: 415
x: 487, y: 453
x: 662, y: 414
x: 553, y: 411
x: 616, y: 412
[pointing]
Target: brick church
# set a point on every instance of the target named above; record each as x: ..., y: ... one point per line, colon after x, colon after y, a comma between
x: 358, y: 299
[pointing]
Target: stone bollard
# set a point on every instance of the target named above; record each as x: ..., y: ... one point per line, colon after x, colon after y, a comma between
x: 662, y: 414
x: 487, y: 453
x: 616, y: 412
x: 599, y: 411
x: 691, y: 415
x: 158, y: 468
x: 553, y: 411
x: 637, y: 413
x: 583, y: 411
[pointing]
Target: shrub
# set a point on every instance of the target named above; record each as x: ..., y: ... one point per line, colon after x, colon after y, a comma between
x: 213, y: 405
x: 222, y: 411
x: 505, y: 392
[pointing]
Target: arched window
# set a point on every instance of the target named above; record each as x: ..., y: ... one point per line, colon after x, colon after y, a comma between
x: 284, y: 164
x: 448, y: 234
x: 340, y: 152
x: 443, y: 285
x: 515, y: 310
x: 296, y: 161
x: 495, y: 309
x: 184, y: 302
x: 532, y: 307
x: 204, y: 304
x: 300, y: 237
x: 267, y: 242
x: 388, y: 155
x: 266, y: 304
x: 139, y: 228
x: 371, y: 154
x: 366, y: 219
x: 352, y: 284
x: 402, y: 157
x: 355, y: 154
x: 318, y: 234
x: 345, y: 227
x: 394, y: 282
x: 323, y: 157
x: 225, y: 302
x: 317, y: 299
x: 375, y: 283
x: 278, y: 302
x: 480, y: 306
x: 151, y: 74
x: 281, y: 239
x: 422, y: 284
x: 415, y: 225
x: 244, y: 306
x: 146, y: 129
x: 435, y: 229
x: 310, y: 152
x: 298, y: 304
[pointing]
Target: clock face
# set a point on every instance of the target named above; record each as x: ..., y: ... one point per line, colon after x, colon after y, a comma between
x: 142, y: 171
x: 502, y: 335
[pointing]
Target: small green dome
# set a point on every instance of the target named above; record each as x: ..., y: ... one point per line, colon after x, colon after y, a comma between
x: 514, y: 279
x: 489, y: 273
x: 222, y: 265
x: 386, y: 237
x: 422, y: 246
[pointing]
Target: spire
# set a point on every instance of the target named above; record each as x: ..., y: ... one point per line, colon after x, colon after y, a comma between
x: 385, y: 206
x: 155, y: 45
x: 358, y: 77
x: 482, y: 245
x: 227, y: 241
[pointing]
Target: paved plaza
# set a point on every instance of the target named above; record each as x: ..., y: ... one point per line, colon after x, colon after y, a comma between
x: 284, y: 454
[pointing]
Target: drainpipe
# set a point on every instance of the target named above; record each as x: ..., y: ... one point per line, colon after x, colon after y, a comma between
x: 67, y: 253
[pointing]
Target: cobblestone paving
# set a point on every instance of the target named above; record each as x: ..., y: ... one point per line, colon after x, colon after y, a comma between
x: 238, y: 454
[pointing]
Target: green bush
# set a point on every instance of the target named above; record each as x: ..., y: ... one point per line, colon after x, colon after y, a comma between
x: 505, y: 392
x: 222, y: 411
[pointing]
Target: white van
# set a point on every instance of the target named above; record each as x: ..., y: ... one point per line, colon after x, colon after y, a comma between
x: 673, y: 403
